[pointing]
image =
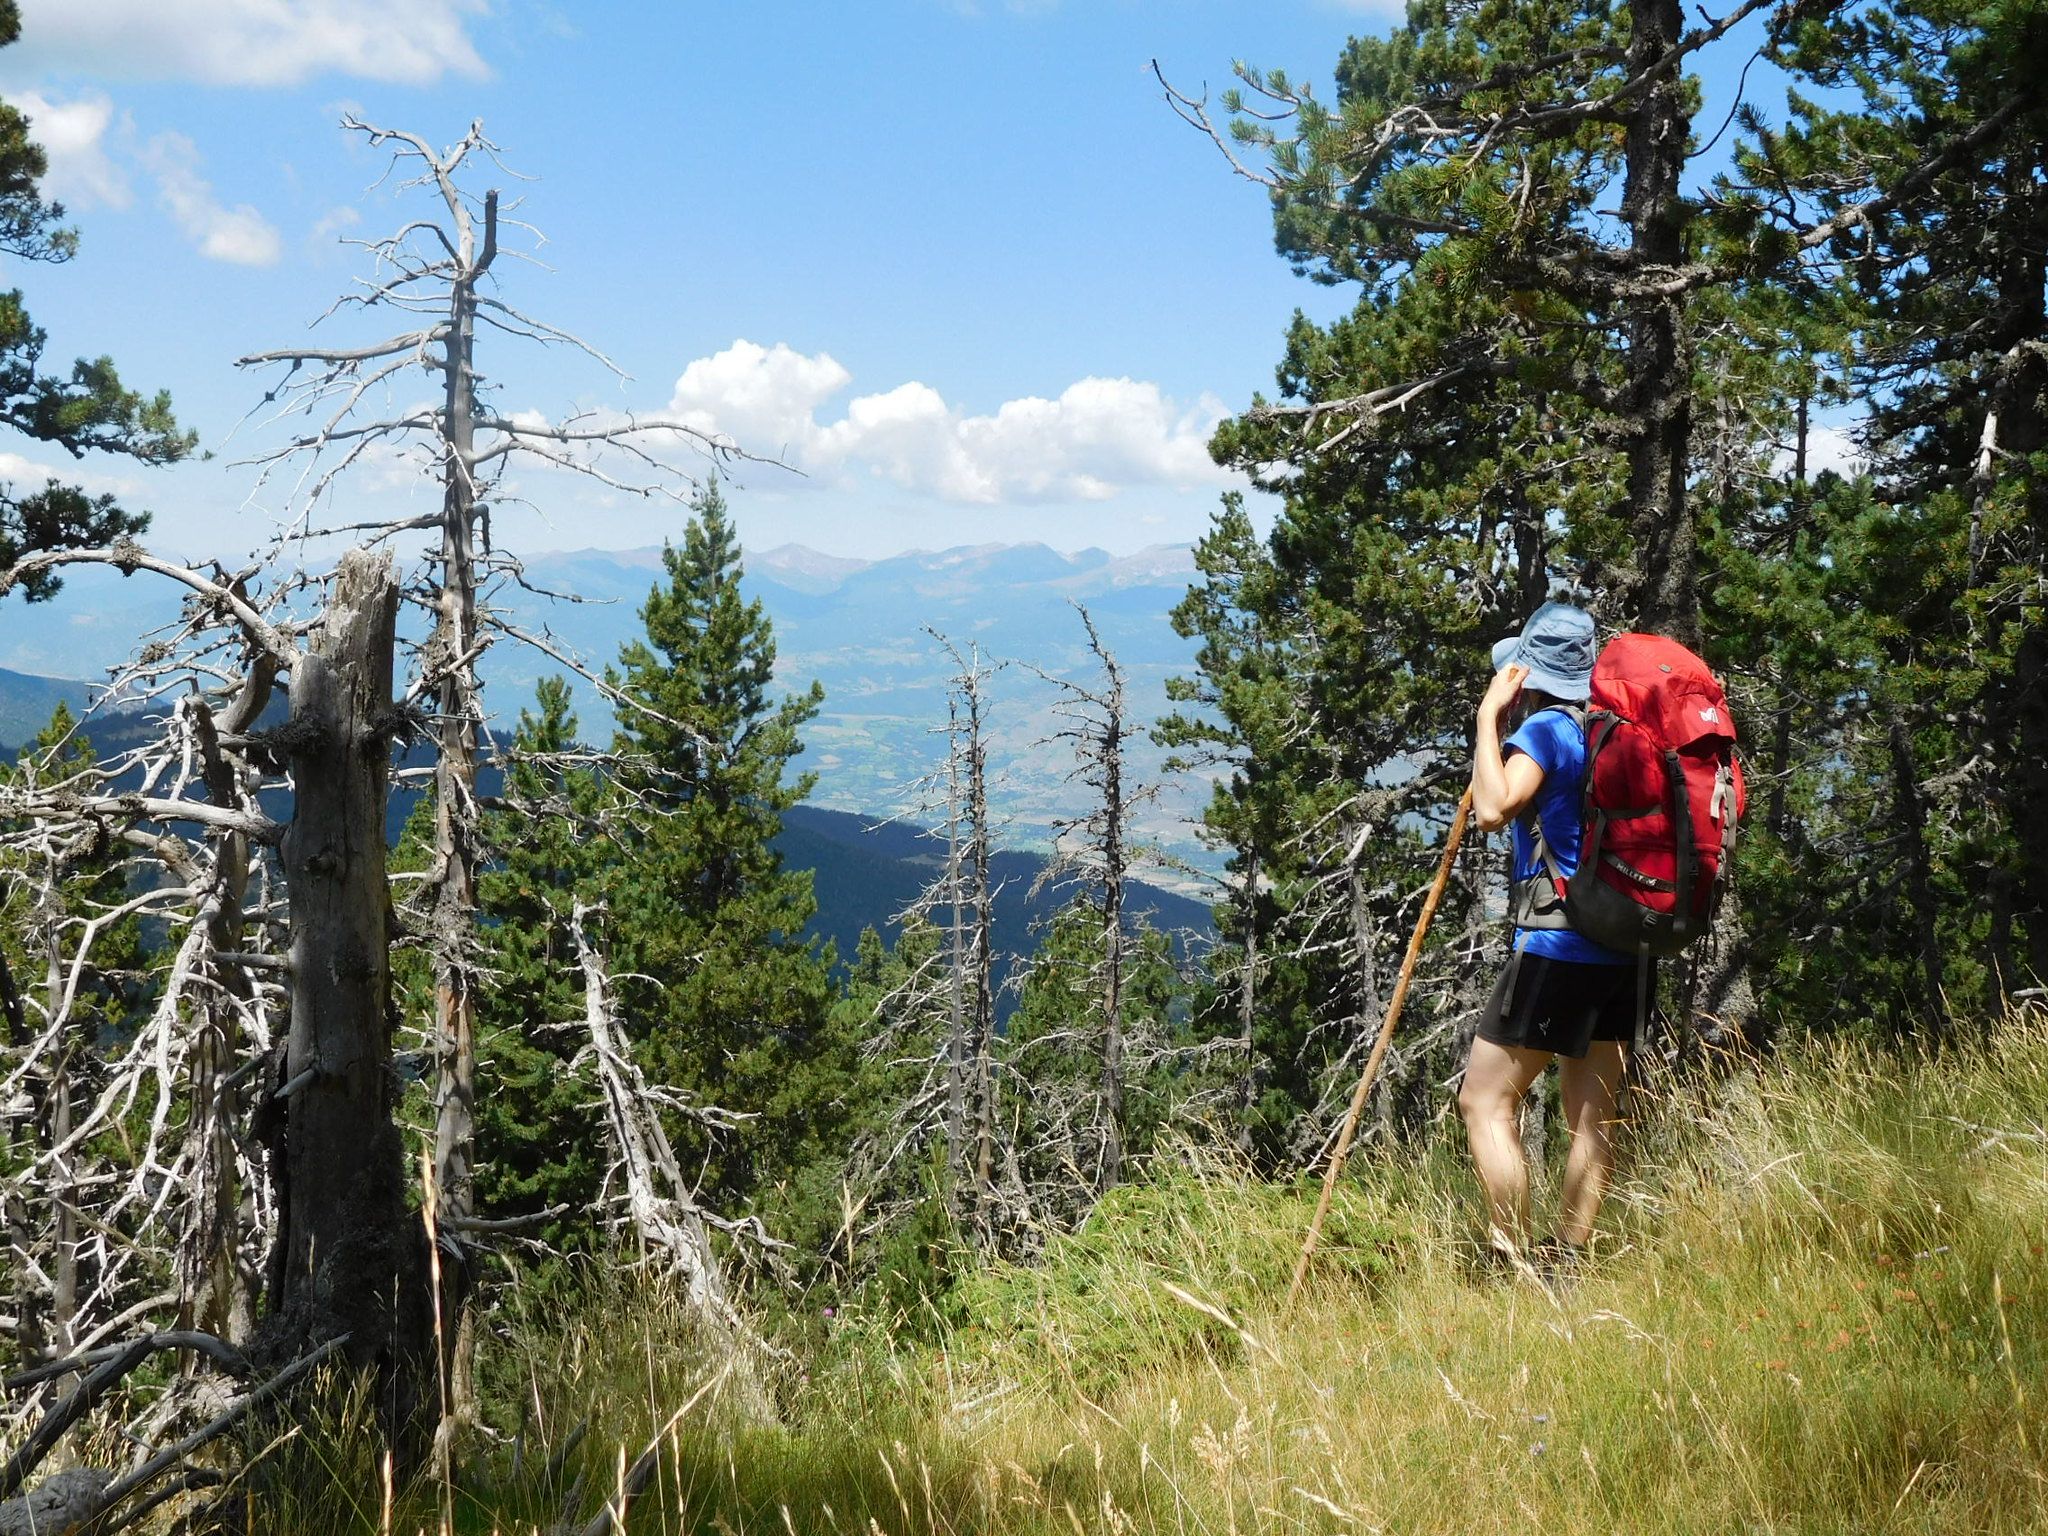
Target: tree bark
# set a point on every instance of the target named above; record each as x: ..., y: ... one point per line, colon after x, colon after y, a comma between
x: 1114, y: 859
x: 1910, y: 810
x: 216, y: 1292
x: 1249, y: 1085
x: 956, y: 1040
x: 983, y: 1025
x: 1663, y: 593
x: 353, y: 1257
x: 456, y: 835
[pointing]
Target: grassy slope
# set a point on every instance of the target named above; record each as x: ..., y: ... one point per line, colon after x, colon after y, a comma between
x: 1823, y: 1309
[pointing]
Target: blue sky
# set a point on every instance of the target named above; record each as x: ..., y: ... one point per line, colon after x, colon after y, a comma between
x: 957, y: 260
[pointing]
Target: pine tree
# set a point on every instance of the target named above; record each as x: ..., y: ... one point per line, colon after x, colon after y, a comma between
x: 537, y: 1147
x: 1052, y: 1058
x: 731, y: 1001
x: 87, y: 409
x: 1240, y: 714
x: 1929, y: 207
x: 1514, y: 406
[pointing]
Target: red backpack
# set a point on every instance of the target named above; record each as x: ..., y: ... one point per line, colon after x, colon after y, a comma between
x: 1663, y: 792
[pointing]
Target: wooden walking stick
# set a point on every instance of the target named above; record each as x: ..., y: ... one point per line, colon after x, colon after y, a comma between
x: 1379, y: 1046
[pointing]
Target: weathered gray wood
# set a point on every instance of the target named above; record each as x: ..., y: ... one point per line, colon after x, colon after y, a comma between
x: 60, y: 1505
x: 457, y: 837
x: 351, y: 1256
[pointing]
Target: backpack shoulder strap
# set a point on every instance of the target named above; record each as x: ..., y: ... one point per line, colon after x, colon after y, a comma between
x: 1529, y: 818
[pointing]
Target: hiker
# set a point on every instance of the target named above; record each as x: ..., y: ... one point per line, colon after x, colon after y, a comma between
x: 1561, y: 995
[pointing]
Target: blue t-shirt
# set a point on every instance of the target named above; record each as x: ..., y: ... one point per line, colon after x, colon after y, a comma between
x: 1552, y: 740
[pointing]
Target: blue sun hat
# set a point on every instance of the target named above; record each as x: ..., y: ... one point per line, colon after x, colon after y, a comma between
x: 1557, y: 645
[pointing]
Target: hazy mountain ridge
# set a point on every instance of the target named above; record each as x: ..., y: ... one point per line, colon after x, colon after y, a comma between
x: 857, y: 626
x: 27, y: 702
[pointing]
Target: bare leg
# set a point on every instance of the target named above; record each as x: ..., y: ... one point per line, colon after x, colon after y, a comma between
x: 1496, y: 1079
x: 1590, y: 1088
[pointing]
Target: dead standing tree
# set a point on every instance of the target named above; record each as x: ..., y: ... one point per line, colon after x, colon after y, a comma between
x: 337, y: 1259
x: 347, y: 1265
x: 1095, y: 849
x: 440, y: 269
x: 348, y: 1258
x: 659, y: 1201
x: 935, y: 1029
x: 175, y: 1210
x: 970, y: 899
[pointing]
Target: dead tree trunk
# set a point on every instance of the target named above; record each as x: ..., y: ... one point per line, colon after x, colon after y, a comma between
x: 216, y: 1288
x: 1249, y: 1084
x: 353, y: 1257
x: 1097, y: 731
x: 1114, y: 859
x: 665, y: 1215
x: 434, y: 269
x: 57, y: 1106
x: 970, y: 1081
x: 453, y: 881
x: 657, y: 1195
x: 956, y: 1037
x: 1657, y: 401
x: 981, y: 971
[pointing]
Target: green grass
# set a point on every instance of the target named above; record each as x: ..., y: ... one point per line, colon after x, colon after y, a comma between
x: 1822, y: 1308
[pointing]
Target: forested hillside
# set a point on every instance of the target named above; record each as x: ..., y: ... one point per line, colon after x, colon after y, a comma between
x: 422, y: 1021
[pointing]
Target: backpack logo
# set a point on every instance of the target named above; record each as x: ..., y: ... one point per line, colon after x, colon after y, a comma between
x: 1711, y: 715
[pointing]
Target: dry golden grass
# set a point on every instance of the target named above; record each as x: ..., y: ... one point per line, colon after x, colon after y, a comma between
x: 1822, y: 1308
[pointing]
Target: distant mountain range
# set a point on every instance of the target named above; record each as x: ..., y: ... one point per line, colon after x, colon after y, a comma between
x: 857, y: 626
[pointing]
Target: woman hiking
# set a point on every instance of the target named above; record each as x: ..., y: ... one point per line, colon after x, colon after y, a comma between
x: 1561, y: 995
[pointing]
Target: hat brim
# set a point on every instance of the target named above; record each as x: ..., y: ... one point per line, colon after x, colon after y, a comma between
x: 1559, y: 685
x: 1504, y: 651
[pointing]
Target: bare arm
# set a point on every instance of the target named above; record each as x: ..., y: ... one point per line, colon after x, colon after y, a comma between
x: 1502, y: 788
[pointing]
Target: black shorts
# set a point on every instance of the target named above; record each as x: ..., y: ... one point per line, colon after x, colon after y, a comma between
x: 1563, y: 1006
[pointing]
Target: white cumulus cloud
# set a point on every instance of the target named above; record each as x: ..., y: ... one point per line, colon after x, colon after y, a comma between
x: 252, y: 42
x: 22, y: 475
x: 1834, y: 448
x: 765, y: 398
x: 1100, y: 436
x: 74, y: 135
x: 239, y: 234
x: 1829, y: 445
